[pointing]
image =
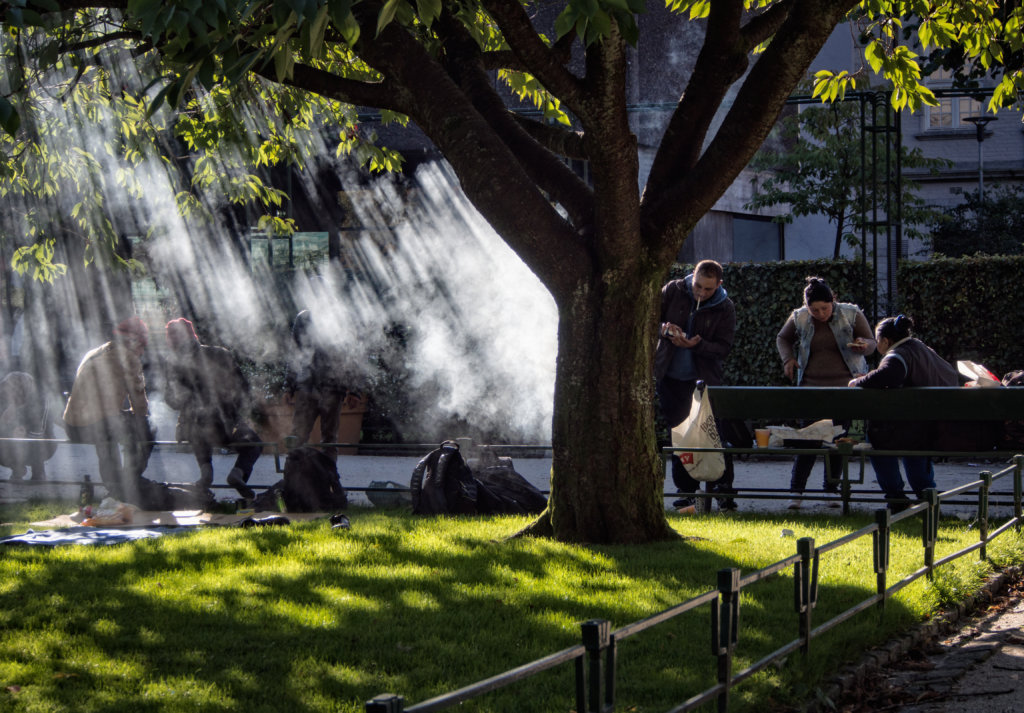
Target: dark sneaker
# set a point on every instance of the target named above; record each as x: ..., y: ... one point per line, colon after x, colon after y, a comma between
x: 727, y: 505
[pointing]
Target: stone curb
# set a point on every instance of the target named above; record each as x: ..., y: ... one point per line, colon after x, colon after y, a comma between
x: 874, y: 660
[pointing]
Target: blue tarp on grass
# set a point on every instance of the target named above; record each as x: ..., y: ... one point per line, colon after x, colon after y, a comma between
x: 88, y: 536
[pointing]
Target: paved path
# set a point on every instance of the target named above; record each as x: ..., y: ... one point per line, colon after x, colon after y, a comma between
x: 977, y: 669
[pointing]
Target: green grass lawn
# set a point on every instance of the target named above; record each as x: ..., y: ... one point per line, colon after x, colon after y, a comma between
x: 309, y: 619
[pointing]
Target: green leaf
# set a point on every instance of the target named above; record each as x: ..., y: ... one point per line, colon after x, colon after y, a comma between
x: 317, y: 29
x: 350, y: 29
x: 341, y: 11
x: 387, y: 14
x: 428, y: 10
x: 565, y: 21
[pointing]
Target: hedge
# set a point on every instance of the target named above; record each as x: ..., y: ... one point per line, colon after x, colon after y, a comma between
x: 968, y: 308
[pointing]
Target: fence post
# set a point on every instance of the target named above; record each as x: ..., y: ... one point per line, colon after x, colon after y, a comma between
x: 881, y: 551
x: 1018, y: 470
x: 805, y: 579
x: 725, y: 622
x: 983, y: 493
x: 596, y: 636
x: 385, y: 703
x: 930, y: 529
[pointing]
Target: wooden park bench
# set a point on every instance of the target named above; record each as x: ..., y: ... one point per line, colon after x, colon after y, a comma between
x: 775, y: 404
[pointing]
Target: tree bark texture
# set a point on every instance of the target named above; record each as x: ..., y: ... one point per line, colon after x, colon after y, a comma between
x: 607, y: 476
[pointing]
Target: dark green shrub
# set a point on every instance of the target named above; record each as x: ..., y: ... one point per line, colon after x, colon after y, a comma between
x: 968, y: 308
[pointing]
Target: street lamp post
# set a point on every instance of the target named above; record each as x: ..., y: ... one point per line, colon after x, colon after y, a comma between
x: 980, y: 122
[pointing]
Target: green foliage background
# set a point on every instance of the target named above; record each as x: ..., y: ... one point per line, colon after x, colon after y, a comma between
x: 968, y: 308
x: 964, y: 308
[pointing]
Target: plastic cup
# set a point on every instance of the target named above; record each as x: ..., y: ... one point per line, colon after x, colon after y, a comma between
x: 762, y: 435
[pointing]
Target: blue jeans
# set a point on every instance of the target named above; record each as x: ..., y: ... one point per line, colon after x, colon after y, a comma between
x: 920, y: 474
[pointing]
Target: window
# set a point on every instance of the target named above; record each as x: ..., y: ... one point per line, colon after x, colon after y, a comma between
x: 952, y: 110
x: 299, y: 250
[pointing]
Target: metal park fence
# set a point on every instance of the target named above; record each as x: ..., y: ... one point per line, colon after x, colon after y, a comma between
x: 594, y: 660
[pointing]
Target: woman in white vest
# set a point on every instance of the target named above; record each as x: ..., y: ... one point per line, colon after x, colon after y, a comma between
x: 823, y: 343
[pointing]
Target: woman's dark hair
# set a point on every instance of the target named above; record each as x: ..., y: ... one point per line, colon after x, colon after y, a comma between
x: 895, y: 328
x: 817, y: 290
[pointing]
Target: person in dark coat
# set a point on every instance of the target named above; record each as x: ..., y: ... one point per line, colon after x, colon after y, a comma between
x: 206, y: 387
x: 906, y: 361
x: 698, y: 325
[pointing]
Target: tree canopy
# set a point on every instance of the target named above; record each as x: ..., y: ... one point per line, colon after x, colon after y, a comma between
x: 823, y: 167
x: 600, y: 247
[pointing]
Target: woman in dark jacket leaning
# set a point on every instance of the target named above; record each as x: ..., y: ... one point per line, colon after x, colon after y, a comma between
x: 906, y: 361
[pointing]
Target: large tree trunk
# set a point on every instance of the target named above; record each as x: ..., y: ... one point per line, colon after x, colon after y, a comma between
x: 607, y: 477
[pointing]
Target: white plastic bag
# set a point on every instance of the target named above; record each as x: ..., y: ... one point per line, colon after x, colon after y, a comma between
x: 699, y: 431
x: 977, y: 373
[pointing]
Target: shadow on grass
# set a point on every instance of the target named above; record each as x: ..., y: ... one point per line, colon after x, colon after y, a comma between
x: 309, y: 619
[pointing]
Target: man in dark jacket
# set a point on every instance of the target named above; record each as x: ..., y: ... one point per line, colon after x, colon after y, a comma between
x: 206, y: 387
x: 698, y: 325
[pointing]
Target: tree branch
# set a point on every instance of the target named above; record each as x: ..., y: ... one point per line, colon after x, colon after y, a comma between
x: 721, y: 62
x: 104, y: 39
x: 381, y: 95
x: 765, y: 24
x: 763, y: 94
x: 562, y: 142
x: 540, y: 60
x: 490, y: 174
x: 533, y: 150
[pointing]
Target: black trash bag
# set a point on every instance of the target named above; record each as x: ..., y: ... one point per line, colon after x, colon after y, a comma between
x: 161, y: 496
x: 501, y: 490
x: 311, y: 482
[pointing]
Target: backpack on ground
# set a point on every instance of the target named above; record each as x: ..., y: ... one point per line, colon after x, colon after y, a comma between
x: 442, y: 483
x: 311, y: 482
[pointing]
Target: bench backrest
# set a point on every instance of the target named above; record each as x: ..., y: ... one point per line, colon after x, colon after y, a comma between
x: 931, y: 403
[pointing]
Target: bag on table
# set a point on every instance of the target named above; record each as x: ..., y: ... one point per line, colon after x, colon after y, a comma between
x: 699, y: 431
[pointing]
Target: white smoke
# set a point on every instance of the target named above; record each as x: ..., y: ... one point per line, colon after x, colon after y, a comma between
x: 428, y: 294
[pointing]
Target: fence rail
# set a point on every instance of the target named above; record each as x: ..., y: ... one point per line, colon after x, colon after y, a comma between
x: 595, y: 659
